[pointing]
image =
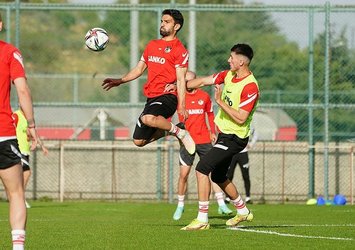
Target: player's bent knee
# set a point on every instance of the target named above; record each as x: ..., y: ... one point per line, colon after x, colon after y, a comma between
x: 139, y: 143
x: 148, y: 120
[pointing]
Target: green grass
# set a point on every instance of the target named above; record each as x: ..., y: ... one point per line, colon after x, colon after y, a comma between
x: 109, y: 225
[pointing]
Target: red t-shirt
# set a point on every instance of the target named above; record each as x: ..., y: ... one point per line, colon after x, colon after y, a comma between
x: 249, y: 94
x: 11, y: 67
x: 199, y: 105
x: 162, y: 59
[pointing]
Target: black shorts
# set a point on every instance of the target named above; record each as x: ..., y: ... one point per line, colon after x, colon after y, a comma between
x: 164, y: 105
x: 218, y: 159
x: 9, y: 153
x: 186, y: 159
x: 25, y: 160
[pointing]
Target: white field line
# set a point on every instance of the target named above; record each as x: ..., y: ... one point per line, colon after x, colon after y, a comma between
x: 246, y: 229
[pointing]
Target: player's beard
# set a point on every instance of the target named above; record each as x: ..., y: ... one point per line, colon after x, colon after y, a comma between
x: 164, y: 33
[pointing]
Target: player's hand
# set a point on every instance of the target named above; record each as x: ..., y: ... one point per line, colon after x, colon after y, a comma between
x: 213, y: 137
x: 217, y: 93
x: 34, y: 137
x: 182, y: 112
x: 170, y: 87
x: 109, y: 83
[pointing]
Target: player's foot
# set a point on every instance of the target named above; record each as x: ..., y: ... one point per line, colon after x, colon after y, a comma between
x: 224, y: 210
x: 239, y: 218
x: 178, y: 213
x: 227, y: 200
x: 27, y: 204
x: 186, y: 139
x: 196, y: 225
x: 248, y: 201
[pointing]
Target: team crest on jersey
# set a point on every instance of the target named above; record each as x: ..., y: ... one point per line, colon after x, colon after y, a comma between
x: 200, y: 102
x: 167, y: 49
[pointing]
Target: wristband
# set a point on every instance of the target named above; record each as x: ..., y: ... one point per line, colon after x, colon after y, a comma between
x: 33, y: 126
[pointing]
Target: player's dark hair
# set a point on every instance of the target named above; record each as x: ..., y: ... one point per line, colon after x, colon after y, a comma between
x: 243, y: 49
x: 176, y: 15
x: 0, y: 18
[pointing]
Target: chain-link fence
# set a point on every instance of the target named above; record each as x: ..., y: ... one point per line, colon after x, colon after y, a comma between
x: 304, y: 57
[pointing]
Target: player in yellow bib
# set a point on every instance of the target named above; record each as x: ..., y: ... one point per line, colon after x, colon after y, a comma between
x: 237, y: 103
x: 25, y: 145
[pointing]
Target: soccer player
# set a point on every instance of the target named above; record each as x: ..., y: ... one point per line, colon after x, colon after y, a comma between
x: 24, y: 145
x: 166, y: 60
x: 199, y: 106
x: 242, y: 159
x: 12, y: 72
x: 237, y: 102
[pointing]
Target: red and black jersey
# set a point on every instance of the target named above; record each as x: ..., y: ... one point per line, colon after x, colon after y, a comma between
x: 162, y: 58
x: 11, y: 67
x: 199, y: 105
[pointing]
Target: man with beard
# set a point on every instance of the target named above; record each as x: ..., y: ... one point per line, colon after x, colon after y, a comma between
x: 166, y: 60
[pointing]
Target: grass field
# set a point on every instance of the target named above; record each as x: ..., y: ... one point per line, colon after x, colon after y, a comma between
x: 109, y: 225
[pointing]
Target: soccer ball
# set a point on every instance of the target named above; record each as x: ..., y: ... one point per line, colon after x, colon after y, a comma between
x: 96, y: 39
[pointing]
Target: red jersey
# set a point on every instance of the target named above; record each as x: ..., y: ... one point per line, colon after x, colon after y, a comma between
x: 162, y: 59
x: 199, y: 105
x: 11, y: 67
x: 249, y: 94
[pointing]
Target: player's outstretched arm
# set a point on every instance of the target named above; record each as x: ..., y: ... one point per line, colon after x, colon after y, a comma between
x: 134, y: 73
x: 200, y: 82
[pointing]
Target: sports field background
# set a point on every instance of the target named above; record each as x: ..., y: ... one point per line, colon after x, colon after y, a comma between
x: 129, y: 225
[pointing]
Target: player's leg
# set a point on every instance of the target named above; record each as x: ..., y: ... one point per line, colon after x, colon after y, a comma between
x: 155, y: 115
x: 218, y: 175
x: 231, y: 171
x: 11, y: 175
x: 25, y: 160
x: 186, y: 160
x: 217, y: 156
x: 244, y: 167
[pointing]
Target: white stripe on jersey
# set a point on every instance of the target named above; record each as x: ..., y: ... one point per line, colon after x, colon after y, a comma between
x: 18, y: 57
x: 214, y: 78
x: 252, y: 97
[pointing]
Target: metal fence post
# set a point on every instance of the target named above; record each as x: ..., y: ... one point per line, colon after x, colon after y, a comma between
x: 61, y: 173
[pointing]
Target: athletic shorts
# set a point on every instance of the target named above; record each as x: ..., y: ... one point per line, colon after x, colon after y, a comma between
x: 242, y: 159
x: 164, y: 105
x: 25, y: 160
x: 186, y: 159
x: 9, y: 154
x: 219, y: 158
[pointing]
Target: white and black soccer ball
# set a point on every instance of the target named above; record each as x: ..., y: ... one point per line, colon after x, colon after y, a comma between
x: 96, y: 39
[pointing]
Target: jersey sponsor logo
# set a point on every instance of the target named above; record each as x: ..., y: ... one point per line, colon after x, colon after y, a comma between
x: 228, y: 100
x: 195, y: 111
x: 156, y: 59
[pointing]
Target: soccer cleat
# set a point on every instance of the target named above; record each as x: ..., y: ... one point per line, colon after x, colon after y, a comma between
x: 186, y: 139
x: 239, y: 218
x: 249, y: 202
x: 178, y: 213
x: 196, y: 225
x: 224, y: 210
